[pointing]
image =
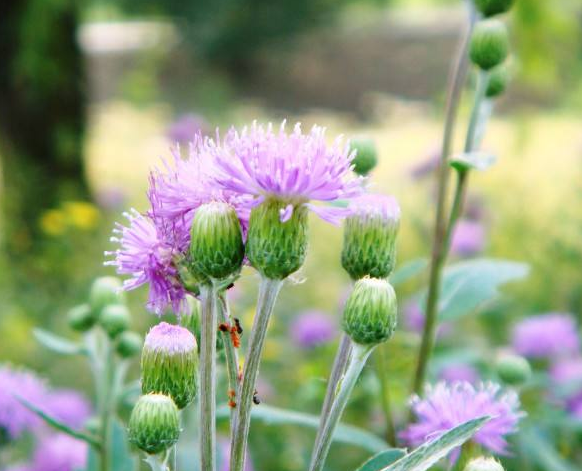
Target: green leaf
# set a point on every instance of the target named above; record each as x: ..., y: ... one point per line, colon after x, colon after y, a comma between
x: 543, y: 453
x: 467, y: 285
x: 472, y: 160
x: 57, y: 344
x: 408, y: 270
x: 428, y: 454
x: 121, y: 457
x: 57, y: 424
x: 343, y: 434
x: 382, y: 459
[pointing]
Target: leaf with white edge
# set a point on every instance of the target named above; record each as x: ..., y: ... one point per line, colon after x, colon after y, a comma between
x: 467, y: 285
x: 429, y: 453
x: 57, y: 344
x: 57, y: 424
x: 408, y: 270
x: 472, y: 161
x: 344, y: 433
x: 382, y: 459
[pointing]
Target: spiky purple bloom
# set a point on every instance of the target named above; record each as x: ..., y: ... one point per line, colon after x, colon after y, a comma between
x: 292, y: 167
x: 468, y: 238
x: 312, y: 328
x: 185, y: 128
x: 385, y: 207
x: 447, y: 405
x: 546, y: 336
x: 169, y: 339
x: 459, y: 372
x: 69, y: 406
x: 16, y: 419
x: 60, y: 452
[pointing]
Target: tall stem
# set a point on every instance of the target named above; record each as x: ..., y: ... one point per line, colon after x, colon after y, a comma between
x: 382, y: 370
x: 358, y: 359
x: 456, y: 81
x: 339, y: 367
x: 208, y: 379
x: 106, y: 401
x: 231, y: 356
x: 268, y: 292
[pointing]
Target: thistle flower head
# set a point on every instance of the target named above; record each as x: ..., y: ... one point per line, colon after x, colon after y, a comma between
x: 169, y: 363
x: 369, y: 247
x: 546, y: 336
x: 294, y: 168
x: 60, y: 452
x: 15, y: 419
x: 445, y: 406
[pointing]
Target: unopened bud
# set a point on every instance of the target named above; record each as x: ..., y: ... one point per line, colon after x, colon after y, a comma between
x: 169, y: 363
x: 370, y: 312
x: 277, y: 244
x: 104, y: 291
x: 489, y: 44
x: 498, y: 80
x: 81, y: 318
x: 154, y: 424
x: 513, y: 369
x: 484, y: 464
x: 129, y: 344
x: 366, y: 157
x: 114, y: 319
x: 493, y: 7
x: 370, y: 232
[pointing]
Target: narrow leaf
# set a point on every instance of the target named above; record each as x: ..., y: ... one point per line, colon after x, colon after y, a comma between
x: 57, y: 344
x: 428, y: 454
x: 382, y: 459
x: 344, y: 433
x: 57, y: 424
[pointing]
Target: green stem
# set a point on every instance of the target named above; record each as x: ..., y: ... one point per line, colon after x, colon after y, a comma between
x: 382, y: 370
x: 456, y: 81
x: 268, y: 292
x: 156, y: 462
x: 208, y: 378
x: 339, y: 367
x: 106, y: 401
x: 360, y: 354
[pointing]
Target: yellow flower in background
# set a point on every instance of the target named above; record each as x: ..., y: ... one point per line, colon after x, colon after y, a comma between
x: 81, y: 214
x: 53, y: 222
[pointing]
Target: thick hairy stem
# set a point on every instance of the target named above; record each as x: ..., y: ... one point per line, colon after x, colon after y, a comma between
x: 357, y: 361
x: 231, y: 357
x: 339, y: 367
x: 382, y: 370
x: 208, y: 379
x: 456, y: 81
x: 268, y: 292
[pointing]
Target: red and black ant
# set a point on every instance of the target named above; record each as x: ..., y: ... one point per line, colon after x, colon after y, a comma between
x: 235, y: 331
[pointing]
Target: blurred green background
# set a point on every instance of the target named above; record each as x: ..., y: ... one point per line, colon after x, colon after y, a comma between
x: 88, y: 91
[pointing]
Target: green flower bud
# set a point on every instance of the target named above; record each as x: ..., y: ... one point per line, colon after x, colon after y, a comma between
x: 483, y: 464
x: 81, y: 318
x: 154, y: 424
x: 489, y: 44
x: 277, y: 248
x: 114, y: 319
x: 169, y: 363
x: 104, y: 291
x: 370, y: 236
x: 498, y: 79
x: 366, y: 157
x: 370, y: 312
x: 129, y: 344
x: 513, y: 369
x: 216, y: 245
x: 493, y: 7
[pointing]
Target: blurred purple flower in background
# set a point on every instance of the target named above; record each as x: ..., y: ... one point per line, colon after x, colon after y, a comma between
x: 468, y: 238
x: 414, y: 319
x: 68, y: 406
x: 447, y: 405
x: 427, y: 165
x: 312, y: 328
x: 16, y: 419
x: 546, y: 336
x: 566, y: 374
x: 110, y: 197
x: 60, y: 452
x: 185, y: 127
x: 459, y: 372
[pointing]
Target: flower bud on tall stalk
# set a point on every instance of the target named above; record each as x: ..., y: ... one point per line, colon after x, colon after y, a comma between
x: 366, y: 157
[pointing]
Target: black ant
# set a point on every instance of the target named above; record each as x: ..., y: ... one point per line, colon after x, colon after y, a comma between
x: 239, y: 328
x: 256, y: 399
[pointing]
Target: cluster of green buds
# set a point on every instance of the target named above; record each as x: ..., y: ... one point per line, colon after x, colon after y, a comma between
x: 108, y: 311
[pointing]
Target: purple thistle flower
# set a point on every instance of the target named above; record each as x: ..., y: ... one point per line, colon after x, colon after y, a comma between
x: 459, y: 372
x: 546, y: 336
x: 68, y: 406
x: 16, y: 419
x: 312, y: 328
x: 186, y: 127
x: 468, y: 238
x: 293, y: 167
x: 169, y: 339
x: 447, y: 405
x: 372, y: 204
x: 60, y: 452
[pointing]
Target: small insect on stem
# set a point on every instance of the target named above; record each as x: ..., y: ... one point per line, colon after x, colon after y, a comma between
x: 231, y: 401
x: 223, y: 327
x: 239, y: 328
x: 256, y: 399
